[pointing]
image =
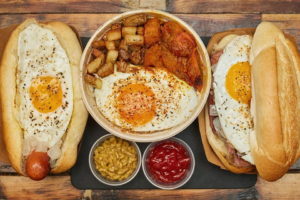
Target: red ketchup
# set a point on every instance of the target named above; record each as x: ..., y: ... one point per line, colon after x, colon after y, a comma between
x: 168, y: 162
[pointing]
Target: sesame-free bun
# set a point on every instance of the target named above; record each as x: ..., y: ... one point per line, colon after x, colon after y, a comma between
x: 276, y: 101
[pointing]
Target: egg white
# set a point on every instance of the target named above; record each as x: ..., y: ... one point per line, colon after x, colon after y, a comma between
x: 175, y: 99
x: 234, y: 116
x: 40, y: 54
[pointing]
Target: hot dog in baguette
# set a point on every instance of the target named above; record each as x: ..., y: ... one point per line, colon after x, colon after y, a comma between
x: 42, y: 112
x: 251, y: 119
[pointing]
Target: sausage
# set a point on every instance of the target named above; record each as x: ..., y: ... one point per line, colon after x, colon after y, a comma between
x: 37, y: 165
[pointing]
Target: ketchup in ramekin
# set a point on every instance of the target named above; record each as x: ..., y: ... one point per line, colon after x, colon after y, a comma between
x: 168, y: 162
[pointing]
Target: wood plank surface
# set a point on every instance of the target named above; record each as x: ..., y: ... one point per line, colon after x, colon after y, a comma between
x: 178, y: 6
x: 77, y: 6
x: 52, y: 187
x: 234, y: 6
x: 204, y: 24
x: 59, y: 187
x: 86, y: 24
x: 66, y: 6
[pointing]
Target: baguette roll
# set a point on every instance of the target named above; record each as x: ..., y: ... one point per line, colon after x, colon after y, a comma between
x: 275, y: 102
x: 275, y: 87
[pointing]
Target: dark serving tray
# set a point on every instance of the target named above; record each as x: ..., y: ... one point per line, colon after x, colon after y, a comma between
x: 206, y: 175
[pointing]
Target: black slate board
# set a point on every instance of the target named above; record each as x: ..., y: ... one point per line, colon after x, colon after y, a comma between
x: 205, y: 175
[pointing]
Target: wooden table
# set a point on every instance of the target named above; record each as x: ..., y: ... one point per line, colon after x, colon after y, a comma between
x: 206, y: 17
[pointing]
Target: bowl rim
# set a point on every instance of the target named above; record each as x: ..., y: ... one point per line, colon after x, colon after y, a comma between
x: 98, y: 176
x: 178, y: 184
x: 162, y: 134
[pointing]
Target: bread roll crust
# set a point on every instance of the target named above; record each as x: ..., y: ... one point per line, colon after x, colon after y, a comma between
x: 275, y: 91
x: 217, y: 37
x: 12, y: 132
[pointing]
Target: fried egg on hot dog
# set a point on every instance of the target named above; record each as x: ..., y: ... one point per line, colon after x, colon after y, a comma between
x: 42, y: 111
x: 44, y: 85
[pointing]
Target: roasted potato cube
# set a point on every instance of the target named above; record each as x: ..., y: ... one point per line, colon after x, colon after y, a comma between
x: 95, y: 64
x: 123, y: 45
x: 129, y: 30
x: 112, y: 56
x: 134, y: 39
x: 125, y: 67
x: 152, y: 32
x: 116, y: 26
x: 113, y: 34
x: 106, y: 70
x: 135, y: 20
x: 97, y: 53
x: 140, y: 30
x: 95, y: 82
x: 110, y: 45
x: 98, y: 44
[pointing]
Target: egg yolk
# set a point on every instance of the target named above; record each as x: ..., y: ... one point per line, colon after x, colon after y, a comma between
x: 238, y: 82
x: 136, y: 104
x: 46, y: 93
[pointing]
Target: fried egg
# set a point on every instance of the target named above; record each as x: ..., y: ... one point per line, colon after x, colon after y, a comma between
x: 147, y: 100
x: 44, y: 89
x: 232, y: 89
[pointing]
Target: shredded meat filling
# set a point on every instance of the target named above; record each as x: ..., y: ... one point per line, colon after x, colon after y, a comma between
x: 214, y: 58
x: 235, y: 157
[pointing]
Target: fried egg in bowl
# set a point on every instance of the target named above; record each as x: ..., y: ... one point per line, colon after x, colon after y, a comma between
x: 147, y: 104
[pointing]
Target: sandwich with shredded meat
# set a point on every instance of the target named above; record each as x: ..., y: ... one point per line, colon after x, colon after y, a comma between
x: 252, y: 119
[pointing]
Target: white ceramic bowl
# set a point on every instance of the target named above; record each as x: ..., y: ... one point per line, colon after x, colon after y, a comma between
x: 89, y: 99
x: 98, y: 175
x: 174, y: 185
